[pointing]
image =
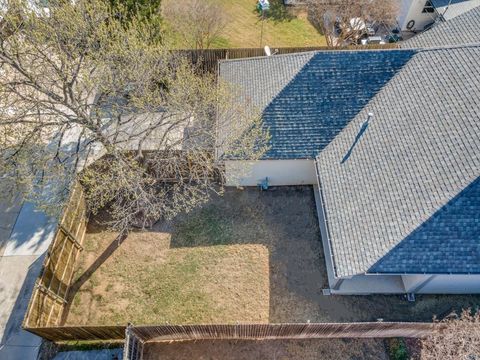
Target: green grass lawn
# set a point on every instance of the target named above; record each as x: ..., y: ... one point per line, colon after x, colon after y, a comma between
x: 149, y: 280
x: 280, y: 29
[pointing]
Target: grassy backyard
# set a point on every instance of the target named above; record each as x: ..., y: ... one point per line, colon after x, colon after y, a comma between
x: 248, y: 256
x: 219, y: 264
x: 147, y: 281
x: 280, y: 30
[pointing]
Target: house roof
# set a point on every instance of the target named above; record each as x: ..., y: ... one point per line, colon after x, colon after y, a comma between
x: 461, y: 29
x: 306, y: 99
x: 449, y: 9
x: 402, y: 194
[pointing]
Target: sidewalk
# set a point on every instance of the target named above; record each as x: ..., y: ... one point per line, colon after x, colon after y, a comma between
x: 25, y: 235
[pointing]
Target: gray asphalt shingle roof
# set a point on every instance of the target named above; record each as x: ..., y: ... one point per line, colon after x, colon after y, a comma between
x: 401, y: 194
x: 450, y: 9
x: 461, y: 29
x: 308, y: 98
x: 453, y: 8
x: 405, y: 197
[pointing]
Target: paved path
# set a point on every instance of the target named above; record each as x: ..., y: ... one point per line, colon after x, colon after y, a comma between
x: 24, y: 238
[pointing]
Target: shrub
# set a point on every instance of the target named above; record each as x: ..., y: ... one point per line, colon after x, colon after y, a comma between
x: 397, y: 349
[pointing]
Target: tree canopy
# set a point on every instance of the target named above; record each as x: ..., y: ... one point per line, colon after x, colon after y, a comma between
x: 344, y: 21
x: 456, y: 337
x: 84, y: 97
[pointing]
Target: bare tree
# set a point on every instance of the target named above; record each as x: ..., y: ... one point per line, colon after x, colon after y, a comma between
x: 344, y: 21
x: 457, y: 337
x: 198, y: 22
x: 83, y: 96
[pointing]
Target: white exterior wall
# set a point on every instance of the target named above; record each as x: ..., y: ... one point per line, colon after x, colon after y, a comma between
x: 442, y: 284
x: 401, y: 284
x: 412, y: 282
x: 279, y: 172
x: 412, y: 10
x: 404, y: 9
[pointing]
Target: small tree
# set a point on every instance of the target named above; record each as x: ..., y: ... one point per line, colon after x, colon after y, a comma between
x: 198, y: 22
x: 343, y: 21
x: 457, y: 337
x: 83, y: 95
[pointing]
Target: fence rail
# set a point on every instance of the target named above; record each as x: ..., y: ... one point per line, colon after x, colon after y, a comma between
x: 51, y: 288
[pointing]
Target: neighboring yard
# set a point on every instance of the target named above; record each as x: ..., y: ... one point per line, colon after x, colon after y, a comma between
x: 280, y: 30
x: 248, y: 256
x: 313, y: 349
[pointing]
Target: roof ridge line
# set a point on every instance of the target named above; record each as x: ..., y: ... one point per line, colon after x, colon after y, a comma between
x: 447, y: 47
x: 340, y: 50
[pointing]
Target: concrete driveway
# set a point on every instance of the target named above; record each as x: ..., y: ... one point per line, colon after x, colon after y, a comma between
x: 25, y: 235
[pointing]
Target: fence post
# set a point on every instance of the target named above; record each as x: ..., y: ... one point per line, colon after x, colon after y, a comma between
x: 133, y: 347
x: 126, y: 345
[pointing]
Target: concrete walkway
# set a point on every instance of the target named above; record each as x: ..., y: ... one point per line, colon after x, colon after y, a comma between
x: 25, y: 235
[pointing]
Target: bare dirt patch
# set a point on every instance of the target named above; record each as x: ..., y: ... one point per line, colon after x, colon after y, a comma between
x: 331, y: 349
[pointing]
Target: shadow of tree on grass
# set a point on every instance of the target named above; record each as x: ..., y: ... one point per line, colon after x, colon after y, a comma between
x: 87, y: 274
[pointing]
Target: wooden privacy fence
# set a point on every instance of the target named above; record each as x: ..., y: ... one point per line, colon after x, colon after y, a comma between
x: 152, y: 333
x: 49, y: 295
x: 280, y: 331
x: 208, y: 59
x: 138, y: 336
x: 78, y: 333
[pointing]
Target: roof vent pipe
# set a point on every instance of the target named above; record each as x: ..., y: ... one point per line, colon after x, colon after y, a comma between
x: 365, y: 123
